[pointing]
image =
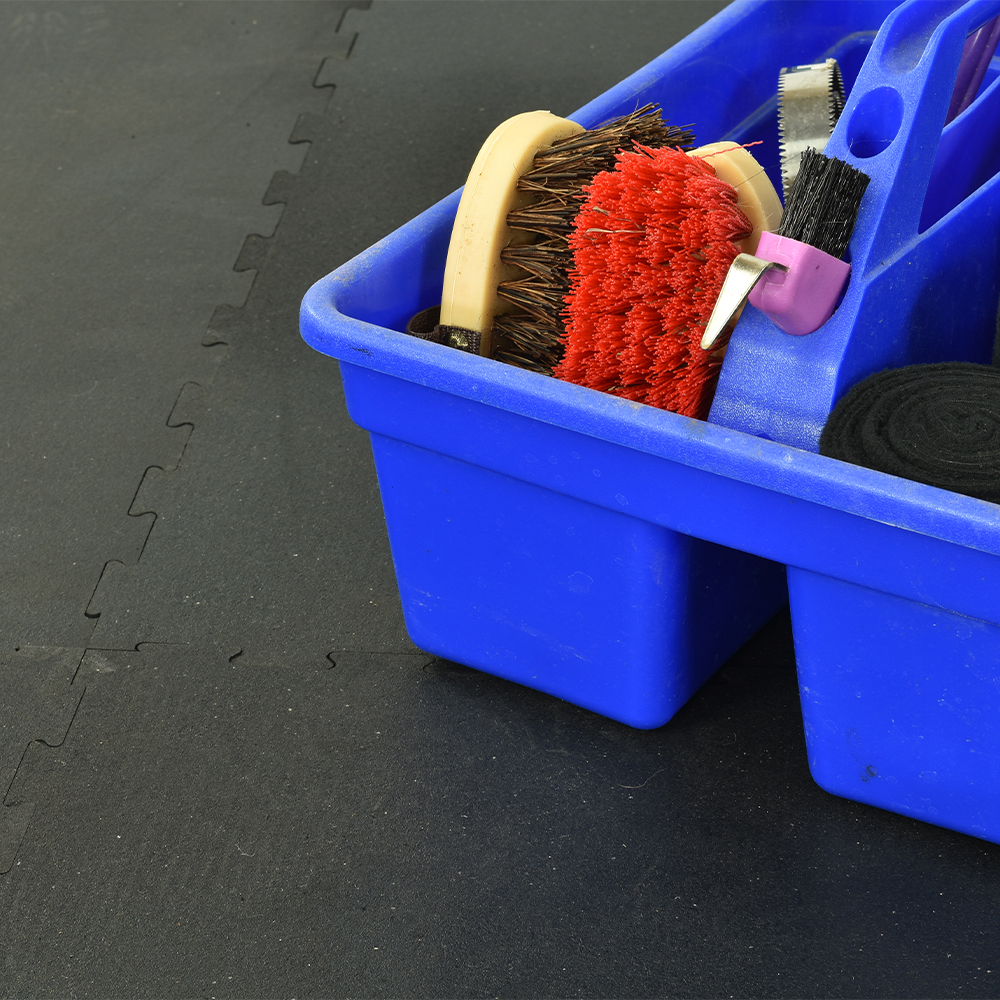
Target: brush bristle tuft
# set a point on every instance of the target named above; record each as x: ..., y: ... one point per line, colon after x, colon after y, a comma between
x: 531, y: 336
x: 824, y: 202
x: 652, y: 245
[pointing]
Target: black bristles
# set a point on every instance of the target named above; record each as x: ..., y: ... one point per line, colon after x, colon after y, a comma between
x: 824, y: 202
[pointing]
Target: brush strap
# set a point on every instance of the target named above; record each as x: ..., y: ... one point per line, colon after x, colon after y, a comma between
x: 425, y: 326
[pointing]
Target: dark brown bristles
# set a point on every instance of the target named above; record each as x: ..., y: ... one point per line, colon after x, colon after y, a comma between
x: 528, y: 344
x: 531, y: 336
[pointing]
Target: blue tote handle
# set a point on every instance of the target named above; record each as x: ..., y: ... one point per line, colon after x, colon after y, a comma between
x: 891, y: 125
x: 913, y: 295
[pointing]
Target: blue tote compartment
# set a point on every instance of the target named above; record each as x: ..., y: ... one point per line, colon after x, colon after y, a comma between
x: 900, y: 689
x: 614, y: 554
x: 507, y: 562
x: 901, y: 702
x: 500, y: 565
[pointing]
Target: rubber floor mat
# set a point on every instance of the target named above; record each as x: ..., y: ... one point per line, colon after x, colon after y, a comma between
x: 227, y: 771
x: 138, y: 139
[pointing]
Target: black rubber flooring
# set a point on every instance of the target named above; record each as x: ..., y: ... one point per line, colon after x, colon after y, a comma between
x: 227, y: 770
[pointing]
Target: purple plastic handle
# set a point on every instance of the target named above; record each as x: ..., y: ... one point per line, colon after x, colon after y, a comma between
x: 801, y: 299
x: 976, y: 56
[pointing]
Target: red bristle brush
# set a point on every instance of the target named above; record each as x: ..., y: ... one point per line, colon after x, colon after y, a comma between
x: 651, y: 245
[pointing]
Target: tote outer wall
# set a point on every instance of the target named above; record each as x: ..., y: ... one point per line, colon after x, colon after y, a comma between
x: 901, y: 702
x: 603, y: 609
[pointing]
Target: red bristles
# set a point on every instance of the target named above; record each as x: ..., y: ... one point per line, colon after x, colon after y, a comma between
x: 651, y: 248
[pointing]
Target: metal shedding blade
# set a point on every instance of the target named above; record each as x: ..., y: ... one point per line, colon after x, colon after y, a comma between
x: 744, y: 272
x: 810, y: 100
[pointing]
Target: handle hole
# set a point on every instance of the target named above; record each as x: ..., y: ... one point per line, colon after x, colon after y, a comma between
x: 875, y: 122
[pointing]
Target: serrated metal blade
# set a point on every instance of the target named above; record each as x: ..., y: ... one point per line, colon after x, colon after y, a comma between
x: 810, y: 101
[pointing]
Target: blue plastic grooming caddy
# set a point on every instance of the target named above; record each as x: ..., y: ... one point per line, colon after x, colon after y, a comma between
x: 615, y: 555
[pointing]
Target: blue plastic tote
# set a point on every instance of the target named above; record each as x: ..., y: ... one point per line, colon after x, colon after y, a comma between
x: 613, y: 554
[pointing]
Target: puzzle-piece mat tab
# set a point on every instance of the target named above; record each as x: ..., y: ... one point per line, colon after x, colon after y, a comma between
x: 285, y: 501
x: 139, y: 141
x: 38, y: 701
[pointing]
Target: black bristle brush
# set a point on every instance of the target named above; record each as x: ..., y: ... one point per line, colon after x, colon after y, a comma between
x: 797, y: 274
x: 823, y: 206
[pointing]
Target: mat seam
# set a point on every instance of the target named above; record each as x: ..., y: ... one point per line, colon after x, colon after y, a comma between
x: 252, y: 244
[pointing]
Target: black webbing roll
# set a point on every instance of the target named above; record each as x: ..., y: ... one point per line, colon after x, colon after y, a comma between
x: 935, y: 424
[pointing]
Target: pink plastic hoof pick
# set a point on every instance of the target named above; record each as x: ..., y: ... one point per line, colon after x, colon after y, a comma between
x: 801, y: 297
